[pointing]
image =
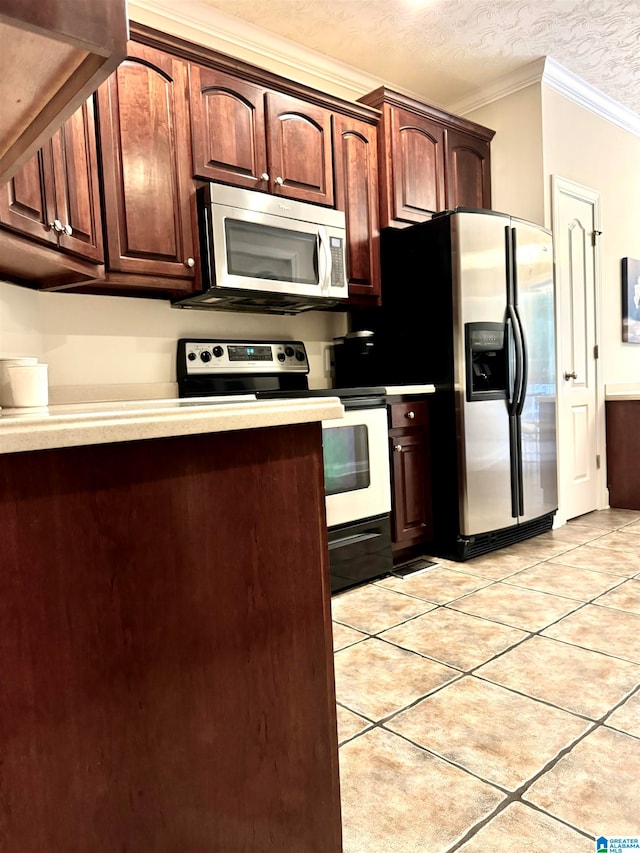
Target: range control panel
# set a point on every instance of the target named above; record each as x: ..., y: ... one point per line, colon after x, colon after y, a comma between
x: 202, y: 357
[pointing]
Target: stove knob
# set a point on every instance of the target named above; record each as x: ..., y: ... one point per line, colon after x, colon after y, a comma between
x: 218, y: 352
x: 205, y: 355
x: 280, y: 356
x: 288, y: 351
x: 191, y: 356
x: 299, y: 355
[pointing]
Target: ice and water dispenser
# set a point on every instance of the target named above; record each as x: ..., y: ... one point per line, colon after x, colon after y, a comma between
x: 486, y: 361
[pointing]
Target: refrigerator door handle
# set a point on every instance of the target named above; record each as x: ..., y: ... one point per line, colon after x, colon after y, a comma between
x: 522, y: 341
x: 516, y: 329
x: 524, y: 366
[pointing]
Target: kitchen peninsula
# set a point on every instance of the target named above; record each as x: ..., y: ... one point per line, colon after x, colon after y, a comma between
x: 165, y: 638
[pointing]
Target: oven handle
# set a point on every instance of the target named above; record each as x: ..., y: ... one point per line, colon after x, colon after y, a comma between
x: 351, y: 540
x: 354, y: 403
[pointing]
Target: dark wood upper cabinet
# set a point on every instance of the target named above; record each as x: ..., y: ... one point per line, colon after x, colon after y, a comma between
x: 227, y: 128
x: 54, y: 201
x: 356, y: 192
x: 77, y: 191
x: 468, y: 170
x: 146, y: 167
x: 54, y: 55
x: 249, y: 136
x: 299, y: 149
x: 429, y: 160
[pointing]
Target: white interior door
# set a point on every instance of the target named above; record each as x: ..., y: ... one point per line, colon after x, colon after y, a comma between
x: 576, y: 226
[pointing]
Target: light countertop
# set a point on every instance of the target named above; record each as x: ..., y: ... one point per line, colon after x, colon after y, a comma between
x: 622, y: 391
x: 70, y: 425
x: 408, y: 390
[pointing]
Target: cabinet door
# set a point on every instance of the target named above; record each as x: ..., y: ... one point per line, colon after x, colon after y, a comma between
x: 27, y: 203
x: 468, y: 171
x: 227, y: 129
x: 299, y: 149
x: 148, y: 187
x: 411, y: 500
x: 417, y: 167
x: 356, y: 184
x: 77, y: 193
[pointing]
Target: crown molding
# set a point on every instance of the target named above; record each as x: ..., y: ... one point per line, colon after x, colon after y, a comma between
x: 559, y: 78
x: 229, y: 34
x: 562, y: 80
x: 500, y: 87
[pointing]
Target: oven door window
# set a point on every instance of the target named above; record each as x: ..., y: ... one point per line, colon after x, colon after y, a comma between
x: 274, y: 254
x: 346, y: 459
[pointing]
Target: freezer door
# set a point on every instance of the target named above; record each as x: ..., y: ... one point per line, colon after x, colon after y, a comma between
x: 480, y: 289
x: 535, y: 306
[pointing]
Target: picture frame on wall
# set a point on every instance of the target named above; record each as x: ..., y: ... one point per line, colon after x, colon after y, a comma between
x: 631, y: 300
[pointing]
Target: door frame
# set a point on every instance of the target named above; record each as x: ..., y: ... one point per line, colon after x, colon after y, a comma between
x: 562, y: 186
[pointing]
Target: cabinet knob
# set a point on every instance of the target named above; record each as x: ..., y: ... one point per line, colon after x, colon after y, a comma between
x: 397, y: 448
x: 264, y: 176
x: 56, y: 225
x: 68, y: 230
x: 568, y: 376
x: 410, y: 415
x: 191, y: 263
x: 279, y: 181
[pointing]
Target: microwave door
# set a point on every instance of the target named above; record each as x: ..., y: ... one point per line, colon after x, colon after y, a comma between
x: 255, y: 252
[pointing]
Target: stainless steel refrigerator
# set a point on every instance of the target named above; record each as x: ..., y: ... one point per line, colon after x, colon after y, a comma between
x: 468, y: 303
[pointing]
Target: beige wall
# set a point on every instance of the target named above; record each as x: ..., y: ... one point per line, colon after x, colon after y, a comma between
x: 583, y: 147
x: 516, y: 152
x: 113, y: 340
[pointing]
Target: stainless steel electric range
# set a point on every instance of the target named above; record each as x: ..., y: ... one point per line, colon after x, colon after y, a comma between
x: 355, y: 448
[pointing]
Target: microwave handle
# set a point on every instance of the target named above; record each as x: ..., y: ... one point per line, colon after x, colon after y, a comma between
x: 204, y: 228
x: 324, y: 261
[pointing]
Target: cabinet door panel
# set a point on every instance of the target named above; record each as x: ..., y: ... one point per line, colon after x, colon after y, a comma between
x: 228, y: 130
x: 411, y: 506
x: 468, y: 171
x: 299, y: 149
x: 147, y: 169
x: 27, y: 203
x: 76, y: 183
x: 356, y: 185
x: 418, y: 166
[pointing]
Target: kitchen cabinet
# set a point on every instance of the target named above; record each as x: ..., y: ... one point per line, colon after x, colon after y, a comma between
x: 623, y: 464
x: 429, y: 160
x: 356, y: 189
x: 468, y: 170
x: 249, y: 136
x: 149, y: 194
x: 50, y: 210
x: 54, y: 55
x: 411, y: 516
x: 171, y: 682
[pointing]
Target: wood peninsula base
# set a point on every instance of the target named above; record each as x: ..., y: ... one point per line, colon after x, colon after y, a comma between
x: 165, y: 647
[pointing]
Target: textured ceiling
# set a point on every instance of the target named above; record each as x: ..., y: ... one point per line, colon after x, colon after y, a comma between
x: 449, y: 49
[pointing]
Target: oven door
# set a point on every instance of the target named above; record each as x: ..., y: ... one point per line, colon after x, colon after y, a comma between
x: 356, y: 466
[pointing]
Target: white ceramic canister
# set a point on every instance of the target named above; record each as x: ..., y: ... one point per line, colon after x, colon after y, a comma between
x: 23, y: 383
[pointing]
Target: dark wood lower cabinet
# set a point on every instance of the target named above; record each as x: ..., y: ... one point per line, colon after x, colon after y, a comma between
x: 412, y: 522
x: 623, y: 461
x: 165, y: 648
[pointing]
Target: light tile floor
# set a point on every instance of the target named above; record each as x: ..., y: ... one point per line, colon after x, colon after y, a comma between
x: 495, y: 704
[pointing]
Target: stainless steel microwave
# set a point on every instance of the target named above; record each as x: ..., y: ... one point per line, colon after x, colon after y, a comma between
x: 264, y: 253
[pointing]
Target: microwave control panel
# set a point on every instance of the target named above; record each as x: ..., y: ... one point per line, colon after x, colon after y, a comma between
x: 197, y: 357
x: 338, y: 274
